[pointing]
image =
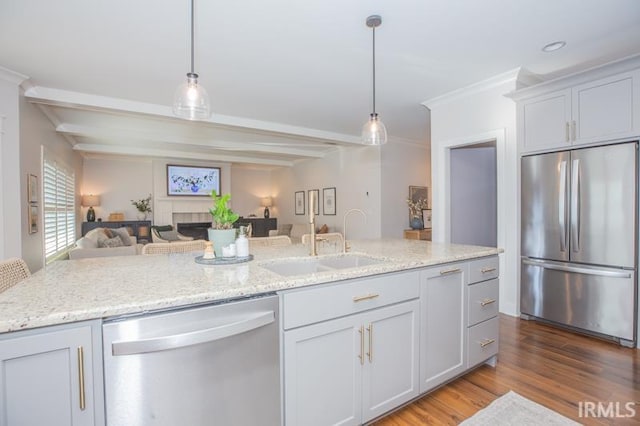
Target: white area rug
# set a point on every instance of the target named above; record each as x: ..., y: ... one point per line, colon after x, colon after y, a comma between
x: 513, y: 409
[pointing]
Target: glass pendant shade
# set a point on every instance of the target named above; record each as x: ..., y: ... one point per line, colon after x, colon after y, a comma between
x: 191, y: 100
x: 374, y: 132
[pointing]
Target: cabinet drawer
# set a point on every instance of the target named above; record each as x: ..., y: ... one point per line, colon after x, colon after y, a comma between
x: 483, y: 269
x: 483, y: 341
x: 482, y: 302
x: 307, y: 306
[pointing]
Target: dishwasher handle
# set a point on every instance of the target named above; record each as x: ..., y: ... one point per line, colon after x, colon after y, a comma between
x: 174, y: 341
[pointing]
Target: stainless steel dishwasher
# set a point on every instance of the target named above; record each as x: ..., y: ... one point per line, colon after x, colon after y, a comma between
x: 211, y: 365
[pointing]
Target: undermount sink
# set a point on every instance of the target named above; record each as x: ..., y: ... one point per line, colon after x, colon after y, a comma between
x: 310, y: 265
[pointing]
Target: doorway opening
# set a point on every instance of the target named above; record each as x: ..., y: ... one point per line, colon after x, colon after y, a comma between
x: 474, y: 194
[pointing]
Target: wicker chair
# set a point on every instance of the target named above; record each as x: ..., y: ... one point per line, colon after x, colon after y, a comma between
x: 174, y: 247
x: 277, y: 241
x: 12, y: 271
x: 156, y: 238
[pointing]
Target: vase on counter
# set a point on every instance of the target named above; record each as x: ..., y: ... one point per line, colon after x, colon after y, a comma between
x: 142, y: 215
x: 221, y: 238
x: 416, y: 223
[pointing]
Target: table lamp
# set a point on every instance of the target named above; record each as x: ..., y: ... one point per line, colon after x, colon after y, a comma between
x: 266, y: 202
x: 90, y: 201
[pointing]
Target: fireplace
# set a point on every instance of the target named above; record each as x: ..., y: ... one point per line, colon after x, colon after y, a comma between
x: 197, y: 230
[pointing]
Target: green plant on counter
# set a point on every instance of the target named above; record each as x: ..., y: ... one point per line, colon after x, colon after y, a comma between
x: 223, y: 216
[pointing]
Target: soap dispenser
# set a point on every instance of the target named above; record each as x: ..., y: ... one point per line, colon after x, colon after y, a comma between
x: 242, y: 243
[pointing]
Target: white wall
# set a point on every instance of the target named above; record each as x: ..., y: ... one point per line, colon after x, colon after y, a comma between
x: 403, y: 165
x: 474, y: 115
x: 353, y: 171
x: 248, y: 186
x: 36, y: 133
x: 11, y: 211
x: 117, y: 181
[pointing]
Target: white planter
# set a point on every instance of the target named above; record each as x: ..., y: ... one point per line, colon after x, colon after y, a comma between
x: 221, y: 238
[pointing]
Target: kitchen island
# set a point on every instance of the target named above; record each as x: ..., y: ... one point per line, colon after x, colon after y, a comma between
x: 432, y: 308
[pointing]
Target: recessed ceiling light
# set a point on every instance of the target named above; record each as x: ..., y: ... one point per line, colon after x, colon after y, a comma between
x: 554, y: 46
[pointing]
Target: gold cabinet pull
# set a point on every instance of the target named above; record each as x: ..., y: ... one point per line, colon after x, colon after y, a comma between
x: 361, y: 356
x: 81, y: 376
x: 487, y: 342
x: 449, y: 271
x: 487, y: 270
x: 486, y: 302
x: 370, y: 353
x: 567, y: 135
x: 367, y: 297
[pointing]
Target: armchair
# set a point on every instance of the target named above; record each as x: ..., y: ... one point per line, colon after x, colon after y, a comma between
x: 166, y: 234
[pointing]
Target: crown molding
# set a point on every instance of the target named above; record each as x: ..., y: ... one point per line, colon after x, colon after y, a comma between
x: 12, y: 76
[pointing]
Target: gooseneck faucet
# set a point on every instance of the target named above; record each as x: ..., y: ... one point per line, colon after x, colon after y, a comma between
x: 345, y: 248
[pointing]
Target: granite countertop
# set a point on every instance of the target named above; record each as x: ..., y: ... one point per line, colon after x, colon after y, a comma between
x: 76, y: 290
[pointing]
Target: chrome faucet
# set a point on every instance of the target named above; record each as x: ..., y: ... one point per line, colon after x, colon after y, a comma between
x: 345, y: 247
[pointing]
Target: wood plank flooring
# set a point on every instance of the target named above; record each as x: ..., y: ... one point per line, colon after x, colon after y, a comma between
x: 548, y: 365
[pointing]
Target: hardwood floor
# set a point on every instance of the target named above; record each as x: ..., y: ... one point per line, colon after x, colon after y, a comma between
x: 550, y: 366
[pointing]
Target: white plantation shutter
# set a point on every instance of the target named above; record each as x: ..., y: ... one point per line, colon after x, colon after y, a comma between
x: 58, y: 185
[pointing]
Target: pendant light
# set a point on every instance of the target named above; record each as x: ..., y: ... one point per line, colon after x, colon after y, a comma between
x: 191, y: 100
x: 374, y: 132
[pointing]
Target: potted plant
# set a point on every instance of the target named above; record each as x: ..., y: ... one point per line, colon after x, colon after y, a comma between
x: 143, y: 206
x: 221, y: 232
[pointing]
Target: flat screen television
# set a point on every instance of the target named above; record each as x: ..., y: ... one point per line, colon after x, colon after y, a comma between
x: 192, y: 180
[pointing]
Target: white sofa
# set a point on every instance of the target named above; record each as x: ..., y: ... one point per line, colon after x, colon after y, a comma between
x: 95, y: 244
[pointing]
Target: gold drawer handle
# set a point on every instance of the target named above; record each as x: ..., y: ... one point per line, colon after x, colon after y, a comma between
x: 487, y: 342
x: 486, y: 302
x: 81, y: 377
x: 487, y: 270
x: 367, y: 297
x: 361, y: 356
x: 450, y: 271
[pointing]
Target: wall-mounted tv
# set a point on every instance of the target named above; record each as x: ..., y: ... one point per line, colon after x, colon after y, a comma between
x: 192, y: 180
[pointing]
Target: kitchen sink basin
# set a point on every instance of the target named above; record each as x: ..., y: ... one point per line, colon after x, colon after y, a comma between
x: 311, y: 265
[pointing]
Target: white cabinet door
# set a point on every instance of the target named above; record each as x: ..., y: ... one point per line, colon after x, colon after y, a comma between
x: 391, y: 365
x: 443, y: 324
x: 41, y: 378
x: 322, y: 373
x: 604, y: 109
x: 545, y: 121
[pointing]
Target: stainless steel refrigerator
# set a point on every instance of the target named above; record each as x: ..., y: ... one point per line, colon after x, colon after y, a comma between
x: 579, y: 239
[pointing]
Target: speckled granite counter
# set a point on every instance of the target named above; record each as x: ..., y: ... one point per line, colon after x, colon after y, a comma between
x: 75, y: 290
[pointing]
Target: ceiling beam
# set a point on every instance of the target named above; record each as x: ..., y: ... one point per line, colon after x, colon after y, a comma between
x: 118, y: 134
x: 57, y: 97
x: 167, y: 153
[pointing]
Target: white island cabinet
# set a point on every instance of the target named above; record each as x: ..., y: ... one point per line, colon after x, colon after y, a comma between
x: 52, y: 376
x: 350, y: 350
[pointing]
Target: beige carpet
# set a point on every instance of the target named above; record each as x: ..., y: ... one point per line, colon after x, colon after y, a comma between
x: 513, y: 409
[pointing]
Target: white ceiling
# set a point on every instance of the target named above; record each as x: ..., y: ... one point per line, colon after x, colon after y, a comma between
x: 288, y: 79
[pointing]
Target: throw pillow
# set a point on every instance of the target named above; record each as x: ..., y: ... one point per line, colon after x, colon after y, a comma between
x: 93, y: 234
x: 85, y: 242
x: 113, y: 242
x: 324, y: 229
x: 101, y: 237
x: 169, y: 235
x: 123, y: 234
x: 108, y: 232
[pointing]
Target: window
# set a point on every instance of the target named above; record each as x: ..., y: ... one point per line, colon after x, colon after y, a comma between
x: 58, y: 186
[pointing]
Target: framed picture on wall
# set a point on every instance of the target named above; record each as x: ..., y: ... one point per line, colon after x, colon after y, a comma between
x: 426, y: 218
x: 329, y: 201
x: 32, y: 186
x: 299, y: 202
x: 315, y: 193
x: 33, y: 219
x: 192, y: 180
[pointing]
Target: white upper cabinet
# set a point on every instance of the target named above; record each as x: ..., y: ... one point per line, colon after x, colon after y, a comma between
x: 604, y: 109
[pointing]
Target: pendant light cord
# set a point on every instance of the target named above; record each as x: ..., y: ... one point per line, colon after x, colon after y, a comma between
x: 374, y: 70
x: 192, y: 32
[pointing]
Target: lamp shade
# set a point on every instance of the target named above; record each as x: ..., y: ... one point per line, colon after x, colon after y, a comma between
x: 90, y: 200
x: 374, y: 131
x: 191, y: 100
x: 266, y: 202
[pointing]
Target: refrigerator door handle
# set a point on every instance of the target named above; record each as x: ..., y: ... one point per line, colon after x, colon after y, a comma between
x: 575, y: 205
x: 562, y: 206
x: 577, y: 269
